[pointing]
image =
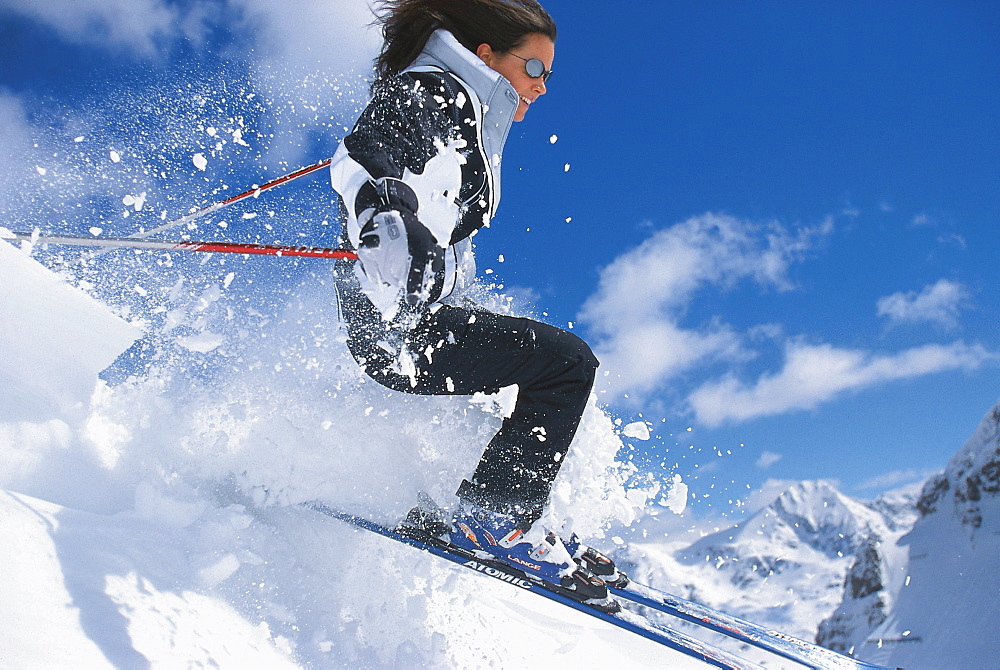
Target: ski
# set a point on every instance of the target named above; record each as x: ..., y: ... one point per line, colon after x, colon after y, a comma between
x: 624, y: 619
x: 809, y: 655
x: 182, y: 245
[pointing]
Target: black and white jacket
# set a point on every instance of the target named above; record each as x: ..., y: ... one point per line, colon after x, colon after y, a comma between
x: 420, y: 174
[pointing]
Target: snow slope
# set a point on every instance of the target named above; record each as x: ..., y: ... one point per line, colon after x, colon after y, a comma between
x: 948, y: 603
x: 41, y: 374
x: 234, y: 590
x: 151, y: 522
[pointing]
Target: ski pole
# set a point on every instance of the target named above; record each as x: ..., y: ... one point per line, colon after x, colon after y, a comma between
x: 184, y: 245
x: 216, y: 206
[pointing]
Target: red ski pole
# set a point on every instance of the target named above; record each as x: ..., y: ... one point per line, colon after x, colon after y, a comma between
x: 216, y: 206
x: 185, y: 245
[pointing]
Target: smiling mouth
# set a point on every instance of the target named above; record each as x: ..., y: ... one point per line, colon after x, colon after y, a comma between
x: 525, y: 101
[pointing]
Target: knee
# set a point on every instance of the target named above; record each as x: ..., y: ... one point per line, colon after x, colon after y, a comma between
x: 578, y: 351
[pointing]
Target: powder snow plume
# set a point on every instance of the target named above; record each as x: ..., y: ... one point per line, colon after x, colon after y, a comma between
x: 163, y: 414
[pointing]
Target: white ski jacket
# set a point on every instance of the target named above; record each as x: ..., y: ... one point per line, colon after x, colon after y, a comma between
x: 419, y: 175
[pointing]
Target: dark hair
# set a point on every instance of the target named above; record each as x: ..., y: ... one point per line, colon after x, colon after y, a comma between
x: 407, y: 25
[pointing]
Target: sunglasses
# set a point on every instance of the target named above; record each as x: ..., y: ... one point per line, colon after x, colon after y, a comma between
x: 535, y: 68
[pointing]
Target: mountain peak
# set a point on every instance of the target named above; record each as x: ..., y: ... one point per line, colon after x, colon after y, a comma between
x: 821, y: 516
x: 972, y: 475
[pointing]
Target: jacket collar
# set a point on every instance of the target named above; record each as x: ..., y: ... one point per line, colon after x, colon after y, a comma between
x: 497, y: 95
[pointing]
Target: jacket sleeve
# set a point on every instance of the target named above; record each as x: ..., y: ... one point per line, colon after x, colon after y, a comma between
x: 401, y: 127
x: 381, y: 171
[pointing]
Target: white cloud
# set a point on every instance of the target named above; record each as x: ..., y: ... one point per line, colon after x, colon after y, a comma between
x: 320, y: 36
x: 643, y: 295
x: 642, y: 357
x: 814, y: 374
x: 938, y: 303
x: 135, y: 24
x: 310, y: 60
x: 314, y: 59
x: 894, y: 479
x: 767, y: 459
x: 34, y: 175
x: 305, y: 35
x: 953, y: 239
x: 16, y: 149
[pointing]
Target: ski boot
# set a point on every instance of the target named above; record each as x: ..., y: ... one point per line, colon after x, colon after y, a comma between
x: 595, y: 562
x: 526, y: 547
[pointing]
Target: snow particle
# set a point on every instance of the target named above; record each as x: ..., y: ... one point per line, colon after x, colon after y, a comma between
x: 637, y: 430
x: 95, y: 231
x: 115, y: 156
x: 199, y: 161
x: 201, y: 343
x: 137, y: 202
x: 553, y: 139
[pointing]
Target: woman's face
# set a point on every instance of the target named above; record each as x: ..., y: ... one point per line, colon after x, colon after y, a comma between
x: 535, y: 45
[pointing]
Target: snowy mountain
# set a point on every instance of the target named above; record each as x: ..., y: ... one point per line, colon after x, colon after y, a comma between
x: 946, y: 605
x: 867, y: 596
x: 908, y: 580
x: 785, y: 566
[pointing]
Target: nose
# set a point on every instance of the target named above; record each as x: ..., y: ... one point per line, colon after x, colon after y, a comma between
x: 539, y: 86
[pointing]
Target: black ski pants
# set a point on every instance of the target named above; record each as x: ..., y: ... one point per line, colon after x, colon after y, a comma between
x: 462, y: 351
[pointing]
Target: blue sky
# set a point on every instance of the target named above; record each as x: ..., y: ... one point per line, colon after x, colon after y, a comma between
x: 777, y: 222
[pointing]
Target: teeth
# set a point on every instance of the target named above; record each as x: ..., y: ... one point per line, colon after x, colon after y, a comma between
x: 526, y: 101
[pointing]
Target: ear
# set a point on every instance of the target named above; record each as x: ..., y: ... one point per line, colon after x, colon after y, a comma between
x: 485, y: 53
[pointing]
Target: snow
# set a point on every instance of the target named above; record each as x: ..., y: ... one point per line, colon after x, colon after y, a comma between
x: 54, y: 339
x: 151, y: 521
x: 947, y: 601
x: 784, y: 567
x: 150, y: 518
x: 637, y: 430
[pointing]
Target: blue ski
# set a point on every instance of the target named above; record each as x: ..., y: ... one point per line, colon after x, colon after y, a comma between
x: 624, y: 619
x: 809, y: 655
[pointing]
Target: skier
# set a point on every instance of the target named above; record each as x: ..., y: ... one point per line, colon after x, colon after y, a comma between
x: 418, y: 176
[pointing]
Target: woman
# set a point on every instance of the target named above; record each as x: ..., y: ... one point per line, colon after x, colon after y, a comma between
x: 419, y: 175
